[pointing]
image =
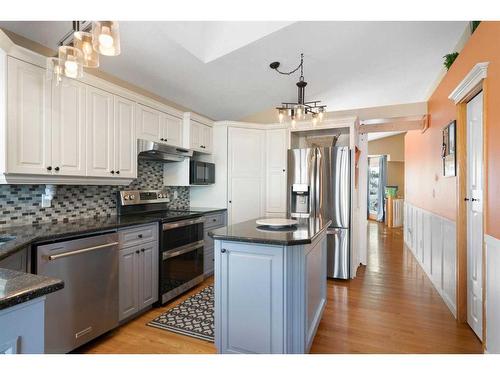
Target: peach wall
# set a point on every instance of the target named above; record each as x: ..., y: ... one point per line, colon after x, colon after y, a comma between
x: 425, y: 185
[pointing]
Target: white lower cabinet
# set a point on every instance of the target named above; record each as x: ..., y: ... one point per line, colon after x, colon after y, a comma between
x: 251, y: 298
x: 138, y: 275
x: 269, y: 298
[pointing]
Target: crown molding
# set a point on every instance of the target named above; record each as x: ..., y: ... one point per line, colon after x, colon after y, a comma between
x: 471, y: 84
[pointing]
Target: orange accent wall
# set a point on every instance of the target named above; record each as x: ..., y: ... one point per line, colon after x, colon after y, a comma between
x: 425, y: 185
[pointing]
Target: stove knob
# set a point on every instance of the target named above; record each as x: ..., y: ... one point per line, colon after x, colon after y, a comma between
x: 125, y: 197
x: 132, y: 196
x: 160, y: 196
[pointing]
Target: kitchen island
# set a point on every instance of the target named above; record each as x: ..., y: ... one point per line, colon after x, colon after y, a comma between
x: 270, y: 286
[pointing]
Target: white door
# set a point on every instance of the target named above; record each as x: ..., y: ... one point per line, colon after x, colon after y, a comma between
x: 125, y: 140
x: 28, y: 119
x: 68, y: 128
x: 172, y: 130
x: 246, y: 174
x: 149, y: 125
x: 276, y: 151
x: 475, y: 214
x: 100, y: 133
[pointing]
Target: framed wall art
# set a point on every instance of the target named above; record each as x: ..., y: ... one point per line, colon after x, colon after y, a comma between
x: 448, y: 151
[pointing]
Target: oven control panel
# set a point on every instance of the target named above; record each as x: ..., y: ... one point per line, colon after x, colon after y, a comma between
x: 130, y: 197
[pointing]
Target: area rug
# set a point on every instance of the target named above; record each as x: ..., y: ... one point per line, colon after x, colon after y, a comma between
x: 194, y: 317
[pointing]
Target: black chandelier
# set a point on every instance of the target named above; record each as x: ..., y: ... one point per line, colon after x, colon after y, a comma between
x: 300, y: 109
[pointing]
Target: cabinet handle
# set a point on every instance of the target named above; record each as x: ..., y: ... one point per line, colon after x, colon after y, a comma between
x: 466, y: 199
x: 161, y: 139
x: 143, y: 250
x: 214, y: 219
x: 49, y: 168
x: 112, y: 172
x: 223, y: 251
x: 137, y: 251
x: 139, y: 236
x: 166, y: 139
x: 56, y: 169
x: 284, y: 170
x: 474, y: 200
x: 117, y: 172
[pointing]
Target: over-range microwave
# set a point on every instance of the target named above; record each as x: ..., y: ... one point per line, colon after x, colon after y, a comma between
x: 201, y: 173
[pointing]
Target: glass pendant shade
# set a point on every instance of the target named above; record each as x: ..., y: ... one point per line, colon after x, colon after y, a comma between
x: 106, y: 37
x: 84, y: 42
x: 55, y: 70
x: 71, y: 60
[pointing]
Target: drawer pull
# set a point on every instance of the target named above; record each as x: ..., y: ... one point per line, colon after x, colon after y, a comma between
x: 139, y: 236
x: 223, y: 251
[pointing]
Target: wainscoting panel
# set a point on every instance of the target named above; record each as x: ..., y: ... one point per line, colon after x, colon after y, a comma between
x: 492, y: 294
x: 431, y: 239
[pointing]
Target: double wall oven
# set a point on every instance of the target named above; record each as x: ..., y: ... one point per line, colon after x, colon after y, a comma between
x: 181, y: 240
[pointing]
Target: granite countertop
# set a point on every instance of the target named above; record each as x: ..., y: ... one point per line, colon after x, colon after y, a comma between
x: 26, y: 235
x: 19, y: 287
x: 304, y: 232
x: 206, y: 210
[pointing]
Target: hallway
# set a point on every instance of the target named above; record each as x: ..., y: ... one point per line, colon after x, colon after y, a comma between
x: 391, y: 307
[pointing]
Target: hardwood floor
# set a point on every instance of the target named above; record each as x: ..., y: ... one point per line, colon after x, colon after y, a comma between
x: 390, y: 307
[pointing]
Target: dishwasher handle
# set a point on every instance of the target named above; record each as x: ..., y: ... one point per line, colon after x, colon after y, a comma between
x: 81, y: 251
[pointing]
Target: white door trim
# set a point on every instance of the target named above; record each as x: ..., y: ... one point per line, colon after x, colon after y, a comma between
x: 471, y: 84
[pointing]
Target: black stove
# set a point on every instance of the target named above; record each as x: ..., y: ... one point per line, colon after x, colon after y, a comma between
x: 150, y: 203
x: 181, y: 239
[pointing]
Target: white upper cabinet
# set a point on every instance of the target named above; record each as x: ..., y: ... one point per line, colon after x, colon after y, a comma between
x: 199, y: 133
x: 28, y: 119
x: 157, y: 126
x: 100, y: 133
x: 125, y: 146
x: 68, y: 128
x: 276, y: 162
x: 172, y: 130
x: 149, y: 123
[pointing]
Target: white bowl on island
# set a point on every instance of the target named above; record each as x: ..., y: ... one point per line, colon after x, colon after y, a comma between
x: 276, y: 222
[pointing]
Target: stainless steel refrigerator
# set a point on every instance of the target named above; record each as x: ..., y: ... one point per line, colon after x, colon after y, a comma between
x: 319, y: 185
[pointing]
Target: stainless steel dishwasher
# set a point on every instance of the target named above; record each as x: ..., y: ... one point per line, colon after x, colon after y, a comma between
x: 87, y: 306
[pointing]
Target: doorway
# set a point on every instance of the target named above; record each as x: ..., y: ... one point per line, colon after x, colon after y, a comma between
x: 474, y: 209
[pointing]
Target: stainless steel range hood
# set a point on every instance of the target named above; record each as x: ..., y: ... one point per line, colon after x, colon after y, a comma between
x: 160, y: 152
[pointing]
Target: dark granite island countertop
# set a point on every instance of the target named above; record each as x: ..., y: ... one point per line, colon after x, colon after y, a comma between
x: 304, y: 232
x: 19, y: 287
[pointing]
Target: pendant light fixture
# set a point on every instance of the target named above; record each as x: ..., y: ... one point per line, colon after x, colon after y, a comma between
x: 81, y: 47
x: 106, y: 38
x: 300, y: 110
x: 84, y: 42
x: 71, y: 60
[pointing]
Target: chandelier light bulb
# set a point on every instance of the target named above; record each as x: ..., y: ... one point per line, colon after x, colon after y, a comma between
x: 321, y: 116
x: 314, y: 119
x: 281, y: 116
x: 294, y: 123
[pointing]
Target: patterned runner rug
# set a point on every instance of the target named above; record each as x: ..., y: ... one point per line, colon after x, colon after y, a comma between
x: 194, y: 317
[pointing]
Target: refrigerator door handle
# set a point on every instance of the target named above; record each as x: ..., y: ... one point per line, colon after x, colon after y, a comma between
x: 333, y: 231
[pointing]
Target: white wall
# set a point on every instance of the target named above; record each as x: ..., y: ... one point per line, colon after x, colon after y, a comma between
x: 492, y: 294
x: 432, y: 240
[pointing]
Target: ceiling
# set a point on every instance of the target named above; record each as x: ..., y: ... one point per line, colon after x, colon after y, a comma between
x: 221, y: 69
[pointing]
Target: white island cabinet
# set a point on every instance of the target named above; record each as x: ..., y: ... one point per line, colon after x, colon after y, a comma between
x: 270, y: 287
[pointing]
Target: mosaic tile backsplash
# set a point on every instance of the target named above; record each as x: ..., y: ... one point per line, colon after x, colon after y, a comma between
x: 21, y: 204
